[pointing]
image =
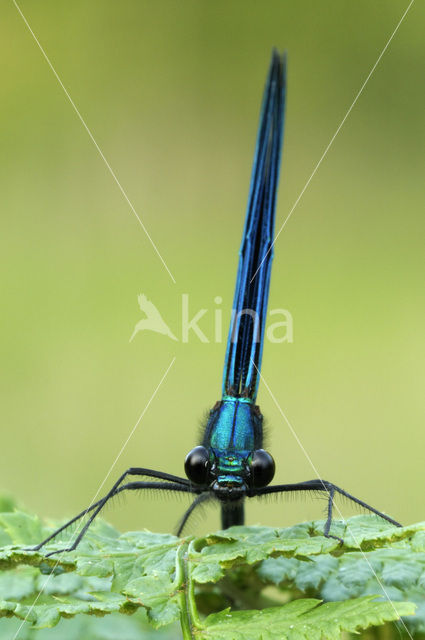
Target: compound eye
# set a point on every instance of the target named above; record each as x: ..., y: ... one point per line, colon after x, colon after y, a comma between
x: 262, y: 468
x: 197, y: 465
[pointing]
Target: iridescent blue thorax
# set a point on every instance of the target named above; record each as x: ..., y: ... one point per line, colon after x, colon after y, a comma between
x: 233, y: 432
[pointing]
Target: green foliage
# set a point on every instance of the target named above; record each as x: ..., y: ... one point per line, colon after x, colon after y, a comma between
x: 302, y: 619
x: 244, y: 583
x: 112, y: 627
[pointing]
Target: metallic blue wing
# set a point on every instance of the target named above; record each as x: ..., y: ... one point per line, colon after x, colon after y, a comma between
x: 246, y: 333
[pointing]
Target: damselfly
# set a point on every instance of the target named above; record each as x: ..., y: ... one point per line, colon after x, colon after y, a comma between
x: 231, y: 465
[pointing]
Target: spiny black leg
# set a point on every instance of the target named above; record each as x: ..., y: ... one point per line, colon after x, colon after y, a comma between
x: 152, y: 473
x: 330, y: 505
x: 178, y: 484
x: 64, y: 526
x: 326, y: 533
x: 135, y: 471
x: 70, y: 522
x: 130, y: 486
x: 322, y: 485
x: 199, y: 500
x: 364, y: 504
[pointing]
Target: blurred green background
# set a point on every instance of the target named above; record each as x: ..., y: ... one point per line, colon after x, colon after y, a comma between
x: 171, y: 92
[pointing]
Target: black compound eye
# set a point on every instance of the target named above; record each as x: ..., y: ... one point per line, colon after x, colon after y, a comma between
x: 197, y: 465
x: 262, y: 468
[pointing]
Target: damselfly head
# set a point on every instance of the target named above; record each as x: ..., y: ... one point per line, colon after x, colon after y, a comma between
x: 229, y: 488
x: 229, y: 474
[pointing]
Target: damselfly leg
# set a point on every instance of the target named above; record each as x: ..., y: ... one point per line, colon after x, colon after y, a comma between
x: 170, y: 483
x: 330, y: 489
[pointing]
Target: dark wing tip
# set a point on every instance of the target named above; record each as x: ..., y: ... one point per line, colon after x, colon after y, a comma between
x: 278, y: 67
